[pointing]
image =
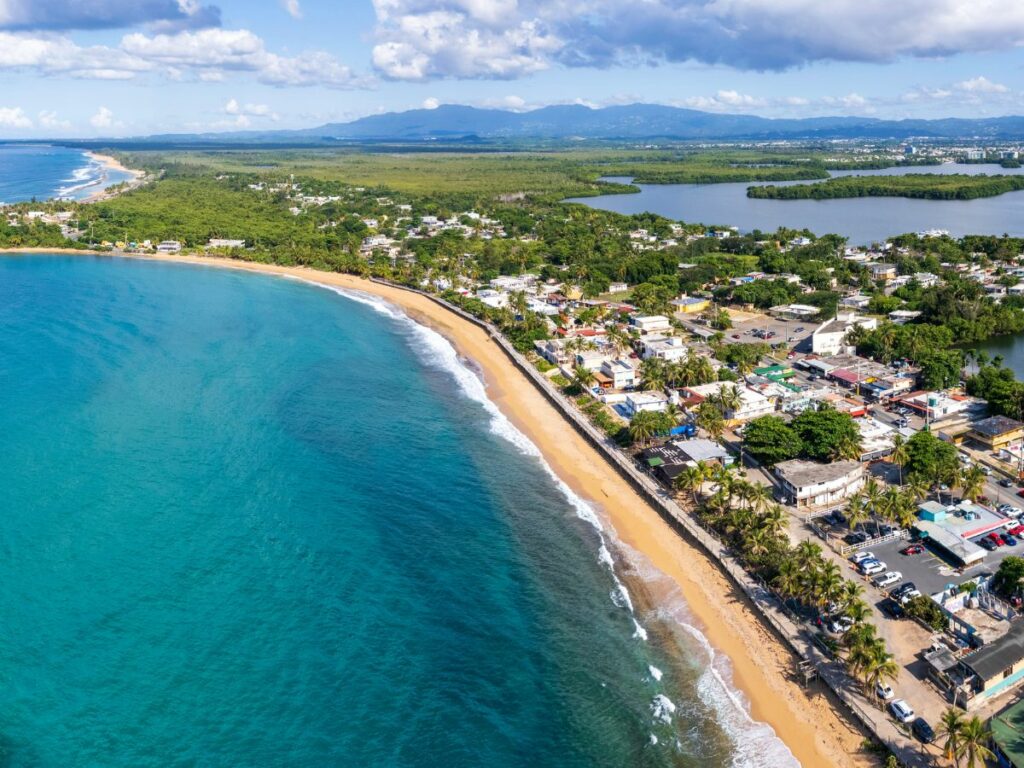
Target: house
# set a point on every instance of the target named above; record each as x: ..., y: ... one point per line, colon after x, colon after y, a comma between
x: 829, y: 338
x: 591, y: 359
x: 669, y: 460
x: 169, y: 246
x: 637, y: 402
x: 936, y: 406
x: 218, y: 242
x: 651, y: 323
x: 752, y: 404
x: 996, y: 432
x: 998, y: 667
x: 903, y: 316
x: 811, y: 486
x: 552, y: 350
x: 669, y: 349
x: 618, y: 287
x: 690, y: 305
x: 883, y: 272
x: 621, y: 373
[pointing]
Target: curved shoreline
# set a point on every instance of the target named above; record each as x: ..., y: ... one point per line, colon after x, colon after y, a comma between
x: 761, y: 666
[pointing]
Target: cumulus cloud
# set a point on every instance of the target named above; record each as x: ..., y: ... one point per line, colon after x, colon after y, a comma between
x: 293, y: 8
x: 14, y: 117
x: 104, y: 118
x: 205, y: 54
x: 235, y: 107
x: 980, y: 85
x: 106, y: 14
x: 50, y: 119
x: 423, y: 39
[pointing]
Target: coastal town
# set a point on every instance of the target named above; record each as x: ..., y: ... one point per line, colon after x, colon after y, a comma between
x: 824, y: 411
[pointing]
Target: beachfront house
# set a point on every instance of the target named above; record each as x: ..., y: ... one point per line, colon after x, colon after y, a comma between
x: 638, y: 402
x: 810, y: 486
x: 752, y: 404
x: 169, y: 246
x: 621, y: 373
x: 651, y: 323
x: 669, y: 349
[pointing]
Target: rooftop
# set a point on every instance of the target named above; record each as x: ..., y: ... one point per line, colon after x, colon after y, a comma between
x: 992, y: 659
x: 801, y: 473
x: 1008, y: 732
x: 994, y: 426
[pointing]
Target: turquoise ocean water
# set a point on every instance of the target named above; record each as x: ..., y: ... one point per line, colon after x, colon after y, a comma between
x: 41, y: 172
x: 247, y: 521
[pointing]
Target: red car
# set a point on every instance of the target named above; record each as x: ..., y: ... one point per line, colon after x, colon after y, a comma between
x: 1017, y: 530
x: 996, y: 539
x: 1021, y: 493
x: 913, y: 549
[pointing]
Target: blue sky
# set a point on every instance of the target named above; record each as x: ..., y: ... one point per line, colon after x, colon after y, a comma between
x: 133, y: 67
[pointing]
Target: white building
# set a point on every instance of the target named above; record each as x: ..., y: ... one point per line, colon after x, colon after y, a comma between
x: 830, y: 337
x: 637, y: 402
x: 669, y: 349
x: 169, y: 246
x: 651, y: 323
x: 622, y: 373
x: 752, y: 404
x: 811, y: 486
x: 218, y: 242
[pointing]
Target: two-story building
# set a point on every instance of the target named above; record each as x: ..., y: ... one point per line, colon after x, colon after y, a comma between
x: 810, y: 486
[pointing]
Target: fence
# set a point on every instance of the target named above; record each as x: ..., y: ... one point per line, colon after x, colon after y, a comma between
x: 764, y: 602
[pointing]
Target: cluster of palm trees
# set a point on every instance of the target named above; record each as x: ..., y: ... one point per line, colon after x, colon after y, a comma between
x: 897, y: 506
x: 970, y: 481
x: 965, y: 738
x: 689, y: 372
x: 744, y: 513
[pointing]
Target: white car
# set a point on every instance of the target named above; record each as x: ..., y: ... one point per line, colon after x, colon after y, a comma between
x: 859, y: 557
x: 890, y: 577
x: 901, y: 710
x: 871, y: 567
x: 906, y: 597
x: 883, y: 691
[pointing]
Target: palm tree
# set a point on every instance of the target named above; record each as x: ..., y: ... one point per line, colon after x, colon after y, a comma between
x: 789, y: 578
x: 857, y: 610
x: 857, y: 511
x: 757, y: 543
x: 951, y: 727
x: 848, y: 447
x: 806, y: 555
x: 728, y: 399
x: 900, y: 453
x: 643, y: 426
x: 918, y: 486
x: 582, y: 377
x: 690, y: 479
x: 710, y: 420
x: 972, y: 483
x: 975, y: 736
x: 774, y: 520
x: 880, y: 667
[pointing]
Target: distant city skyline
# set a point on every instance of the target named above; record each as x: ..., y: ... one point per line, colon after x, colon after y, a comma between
x: 134, y: 67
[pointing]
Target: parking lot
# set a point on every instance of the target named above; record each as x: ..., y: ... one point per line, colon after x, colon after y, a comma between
x: 783, y: 330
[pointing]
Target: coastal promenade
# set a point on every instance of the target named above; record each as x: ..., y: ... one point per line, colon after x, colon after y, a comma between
x: 767, y: 605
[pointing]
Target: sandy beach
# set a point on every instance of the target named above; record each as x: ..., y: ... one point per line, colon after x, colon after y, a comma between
x: 111, y: 164
x: 810, y: 723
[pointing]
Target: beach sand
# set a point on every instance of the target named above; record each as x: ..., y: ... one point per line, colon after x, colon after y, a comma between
x: 810, y: 723
x: 111, y: 164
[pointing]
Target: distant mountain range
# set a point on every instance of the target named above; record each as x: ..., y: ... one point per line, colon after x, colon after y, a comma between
x: 452, y: 123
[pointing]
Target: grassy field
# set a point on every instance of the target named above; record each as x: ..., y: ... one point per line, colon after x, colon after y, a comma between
x: 548, y: 175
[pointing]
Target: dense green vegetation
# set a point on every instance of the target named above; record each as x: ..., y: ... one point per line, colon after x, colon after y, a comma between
x: 927, y: 186
x: 822, y: 435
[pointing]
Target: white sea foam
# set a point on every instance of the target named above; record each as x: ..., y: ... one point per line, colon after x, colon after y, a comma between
x: 662, y: 707
x: 756, y: 744
x: 655, y: 672
x: 90, y: 175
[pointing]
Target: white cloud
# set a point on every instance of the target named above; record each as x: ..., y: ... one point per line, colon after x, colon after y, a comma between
x: 103, y: 118
x: 293, y: 8
x: 106, y: 14
x: 14, y: 117
x: 980, y: 85
x: 236, y: 108
x: 206, y: 54
x: 431, y: 103
x: 49, y: 119
x: 424, y: 39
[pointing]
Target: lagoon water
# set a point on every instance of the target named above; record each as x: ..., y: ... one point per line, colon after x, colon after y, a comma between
x: 863, y: 220
x: 38, y: 171
x: 248, y: 521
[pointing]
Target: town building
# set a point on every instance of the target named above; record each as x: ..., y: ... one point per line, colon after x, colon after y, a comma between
x: 996, y: 668
x: 621, y: 373
x: 996, y: 432
x: 810, y: 486
x: 752, y: 404
x: 690, y: 305
x: 830, y: 337
x: 651, y: 323
x: 218, y: 242
x: 169, y: 246
x: 669, y: 349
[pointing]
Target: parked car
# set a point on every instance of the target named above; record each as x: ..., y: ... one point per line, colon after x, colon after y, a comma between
x: 884, y: 692
x: 840, y: 626
x: 859, y: 557
x: 888, y: 578
x: 901, y: 711
x: 735, y: 336
x: 996, y: 539
x: 905, y: 587
x: 892, y: 608
x: 871, y: 567
x: 913, y: 549
x: 1016, y: 530
x: 906, y: 597
x: 988, y: 544
x: 1009, y: 540
x: 1021, y: 493
x: 1006, y: 482
x: 858, y: 537
x: 985, y: 470
x: 922, y: 730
